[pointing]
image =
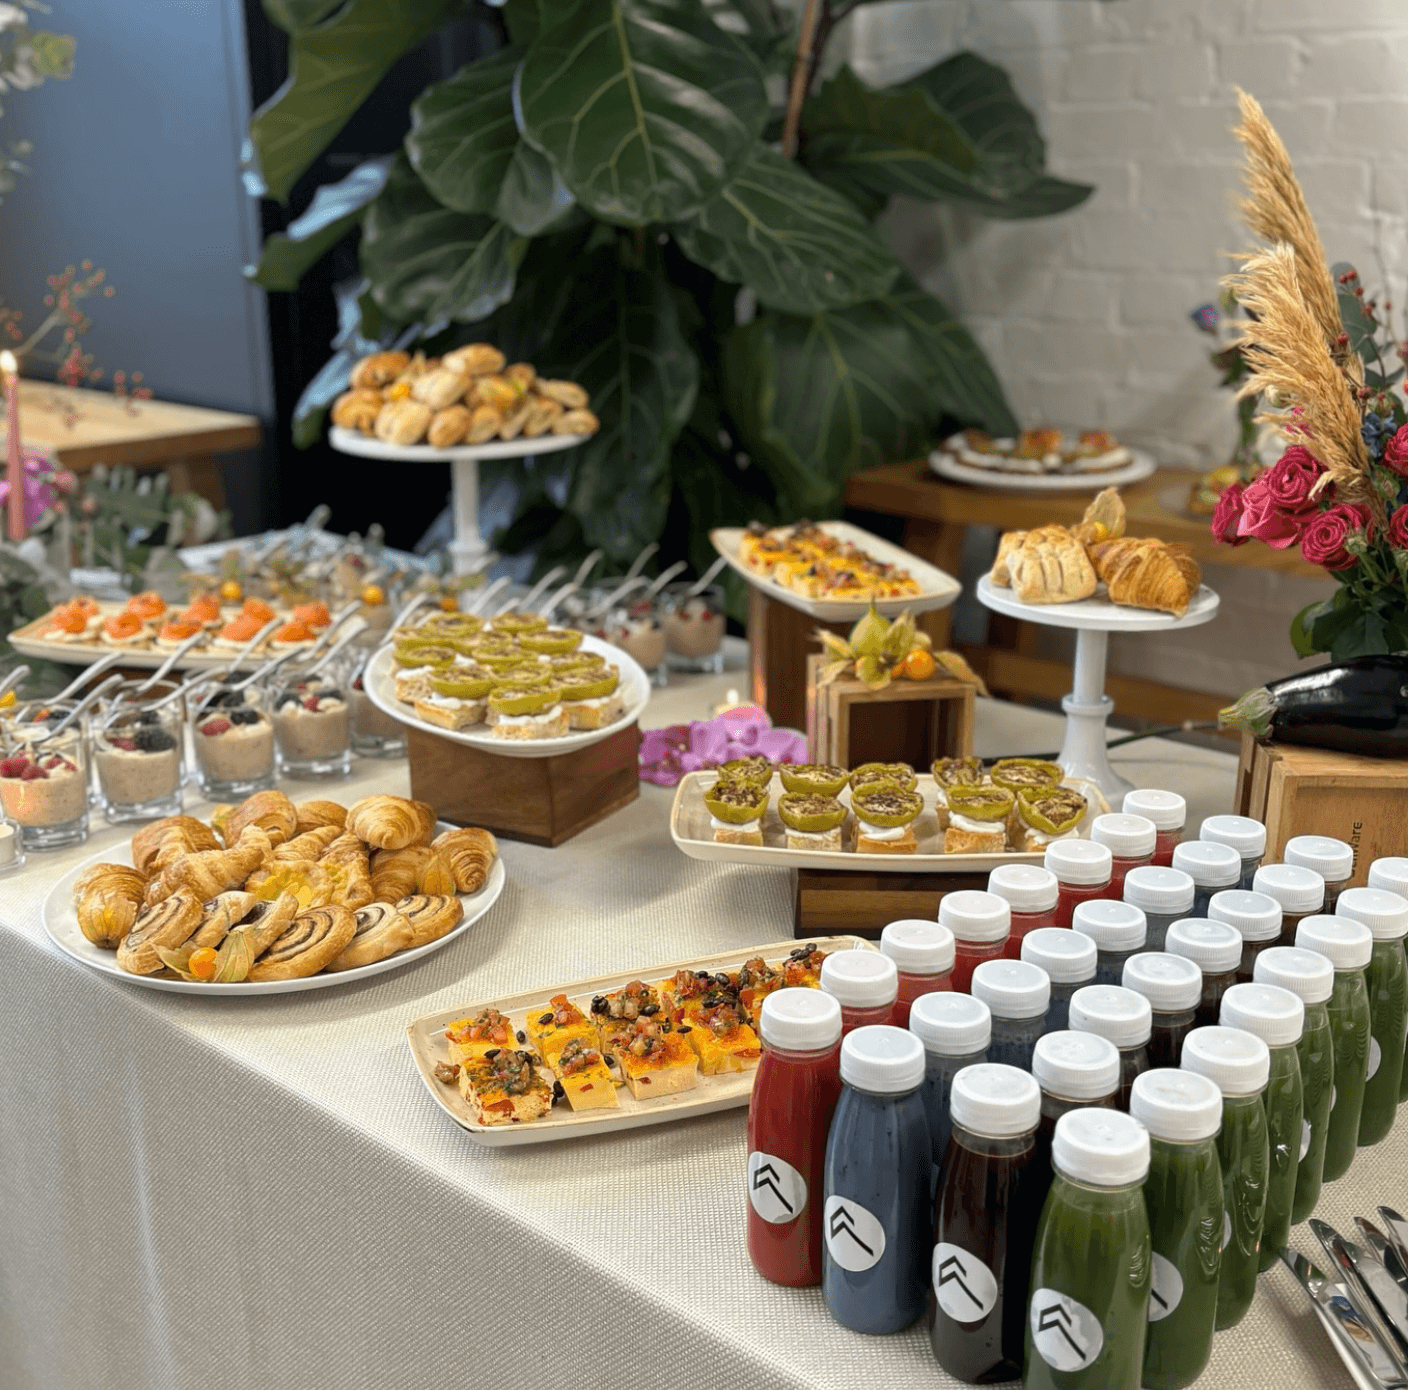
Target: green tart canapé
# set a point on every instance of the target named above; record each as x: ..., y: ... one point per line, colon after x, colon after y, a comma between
x: 874, y: 777
x: 463, y: 683
x: 1053, y: 810
x: 551, y: 641
x: 515, y: 624
x: 422, y: 654
x: 986, y: 803
x: 736, y: 803
x: 810, y: 813
x: 955, y: 772
x: 755, y: 770
x: 587, y: 685
x: 1020, y: 774
x: 514, y: 700
x: 819, y: 779
x: 889, y: 809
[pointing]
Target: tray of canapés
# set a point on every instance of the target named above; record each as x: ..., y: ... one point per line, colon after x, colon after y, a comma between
x: 511, y: 684
x: 880, y: 817
x: 615, y: 1052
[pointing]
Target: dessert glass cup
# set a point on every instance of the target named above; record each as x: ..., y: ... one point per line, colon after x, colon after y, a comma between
x: 236, y: 760
x: 634, y: 626
x: 694, y: 628
x: 50, y: 804
x: 139, y: 753
x: 313, y: 720
x: 375, y: 734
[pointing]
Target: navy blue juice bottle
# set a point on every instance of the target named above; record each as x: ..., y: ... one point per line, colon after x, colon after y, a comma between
x: 1068, y: 957
x: 955, y: 1030
x: 1017, y: 992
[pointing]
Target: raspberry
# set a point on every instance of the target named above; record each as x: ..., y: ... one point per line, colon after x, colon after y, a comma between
x: 215, y: 726
x: 13, y: 767
x: 34, y: 773
x: 128, y: 745
x: 311, y: 704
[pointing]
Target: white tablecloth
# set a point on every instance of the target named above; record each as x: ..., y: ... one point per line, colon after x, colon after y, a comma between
x: 259, y: 1193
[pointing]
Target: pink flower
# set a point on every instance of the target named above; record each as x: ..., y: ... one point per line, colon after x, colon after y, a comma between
x: 1263, y: 519
x: 1398, y: 528
x: 666, y: 755
x: 1323, y: 541
x: 1396, y: 452
x: 1290, y: 479
x: 66, y: 482
x: 1226, y: 516
x: 38, y: 492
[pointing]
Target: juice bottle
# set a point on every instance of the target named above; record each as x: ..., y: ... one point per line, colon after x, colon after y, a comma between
x: 1031, y: 893
x: 1119, y: 1016
x: 1017, y: 994
x: 1167, y: 810
x: 1246, y: 836
x: 1349, y: 947
x: 980, y: 923
x: 1118, y: 931
x: 1257, y: 919
x: 1211, y: 866
x: 1090, y: 1268
x: 1277, y: 1017
x: 1332, y: 859
x: 1216, y: 949
x: 1076, y: 1071
x: 1310, y: 976
x: 1130, y: 840
x: 794, y: 1094
x: 1082, y: 870
x: 923, y: 955
x: 875, y: 1217
x: 1183, y: 1193
x: 1068, y: 957
x: 955, y: 1030
x: 1173, y: 985
x: 1163, y: 895
x: 864, y: 983
x: 1386, y: 916
x: 985, y: 1220
x: 1391, y: 874
x: 1299, y: 891
x: 1240, y: 1064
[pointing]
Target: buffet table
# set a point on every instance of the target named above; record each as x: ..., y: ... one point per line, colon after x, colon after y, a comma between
x: 260, y: 1193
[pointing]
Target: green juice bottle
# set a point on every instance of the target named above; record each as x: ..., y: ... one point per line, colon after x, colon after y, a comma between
x: 1183, y: 1193
x: 1277, y: 1017
x: 1240, y: 1064
x: 1091, y: 1266
x: 1348, y: 946
x: 1309, y: 975
x: 1386, y: 916
x: 1391, y: 874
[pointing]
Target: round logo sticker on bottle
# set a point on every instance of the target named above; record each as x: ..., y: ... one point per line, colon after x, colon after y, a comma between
x: 963, y: 1285
x: 1067, y: 1334
x: 1305, y: 1133
x: 854, y: 1238
x: 1165, y: 1288
x: 777, y: 1191
x: 1376, y: 1055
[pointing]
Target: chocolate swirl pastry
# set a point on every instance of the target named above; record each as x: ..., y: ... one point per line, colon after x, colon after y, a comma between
x: 166, y: 924
x: 430, y: 915
x: 313, y: 940
x: 381, y: 932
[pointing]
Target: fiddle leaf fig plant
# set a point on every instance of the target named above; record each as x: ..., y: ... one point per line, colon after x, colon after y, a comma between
x: 606, y: 196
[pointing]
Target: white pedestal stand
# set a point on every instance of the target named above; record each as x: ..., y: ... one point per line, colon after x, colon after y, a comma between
x: 1087, y: 707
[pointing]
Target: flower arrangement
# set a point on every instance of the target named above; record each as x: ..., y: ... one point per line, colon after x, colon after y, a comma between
x: 666, y: 755
x: 1319, y: 355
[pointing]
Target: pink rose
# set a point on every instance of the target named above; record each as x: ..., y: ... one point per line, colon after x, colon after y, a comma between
x: 1227, y: 514
x: 1323, y: 541
x: 1398, y: 529
x: 1264, y: 519
x: 1396, y: 452
x: 1289, y: 480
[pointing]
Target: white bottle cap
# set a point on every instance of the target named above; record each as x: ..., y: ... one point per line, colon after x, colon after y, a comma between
x: 1112, y: 926
x: 1012, y: 988
x: 1167, y: 810
x: 949, y: 1024
x: 1298, y: 890
x: 860, y: 979
x: 1210, y: 864
x: 1104, y: 1148
x: 918, y: 947
x: 800, y: 1020
x: 1027, y: 887
x: 1113, y: 1012
x: 1167, y: 892
x: 1346, y: 944
x: 883, y: 1060
x: 1306, y: 973
x: 1332, y: 859
x: 1389, y: 873
x: 1127, y: 837
x: 1240, y: 1063
x: 994, y: 1100
x: 1256, y: 916
x: 1273, y: 1014
x: 1384, y: 913
x: 1246, y: 836
x: 1076, y: 1066
x: 1214, y: 947
x: 976, y: 917
x: 1170, y: 983
x: 1068, y: 957
x: 1080, y: 862
x: 1180, y: 1107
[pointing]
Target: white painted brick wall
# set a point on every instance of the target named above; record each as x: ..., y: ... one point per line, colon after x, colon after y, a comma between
x: 1085, y: 315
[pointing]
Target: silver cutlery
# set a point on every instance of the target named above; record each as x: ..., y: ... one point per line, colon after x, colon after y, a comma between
x: 1379, y: 1295
x: 1396, y: 1229
x: 83, y: 677
x: 170, y: 661
x: 1388, y: 1256
x: 1369, y: 1362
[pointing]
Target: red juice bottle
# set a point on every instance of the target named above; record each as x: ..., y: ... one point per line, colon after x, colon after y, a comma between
x: 923, y: 955
x: 1082, y: 870
x: 1332, y: 859
x: 1130, y: 840
x: 1167, y: 810
x: 1031, y: 893
x: 864, y: 984
x: 980, y: 923
x: 794, y: 1094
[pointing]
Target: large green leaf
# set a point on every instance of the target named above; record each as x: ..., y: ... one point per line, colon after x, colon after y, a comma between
x: 426, y: 262
x: 799, y: 245
x: 463, y: 136
x: 336, y: 207
x: 293, y: 15
x: 645, y: 107
x: 533, y: 198
x: 333, y: 67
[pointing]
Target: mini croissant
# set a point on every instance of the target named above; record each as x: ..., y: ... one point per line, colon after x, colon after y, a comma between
x: 1146, y: 574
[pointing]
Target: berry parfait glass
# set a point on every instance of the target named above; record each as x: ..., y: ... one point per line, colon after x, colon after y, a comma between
x: 313, y: 719
x: 693, y: 624
x: 44, y: 775
x: 233, y: 737
x: 138, y: 751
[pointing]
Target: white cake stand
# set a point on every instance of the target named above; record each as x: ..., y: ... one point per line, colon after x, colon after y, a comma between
x: 468, y: 549
x: 1087, y: 707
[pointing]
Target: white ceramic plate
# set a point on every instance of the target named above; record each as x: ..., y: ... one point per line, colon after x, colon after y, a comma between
x: 1097, y: 613
x: 380, y: 687
x: 61, y: 922
x: 936, y: 589
x: 426, y: 1037
x: 1140, y: 466
x: 347, y: 441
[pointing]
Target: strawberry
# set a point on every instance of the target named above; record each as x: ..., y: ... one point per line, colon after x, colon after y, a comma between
x: 128, y: 745
x: 13, y: 767
x: 34, y: 773
x: 215, y: 726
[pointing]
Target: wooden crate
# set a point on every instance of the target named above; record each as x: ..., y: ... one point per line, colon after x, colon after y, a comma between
x: 541, y: 800
x: 907, y: 722
x: 867, y: 902
x: 1313, y: 791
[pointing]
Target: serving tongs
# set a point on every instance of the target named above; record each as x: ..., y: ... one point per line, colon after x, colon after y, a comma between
x: 1368, y: 1360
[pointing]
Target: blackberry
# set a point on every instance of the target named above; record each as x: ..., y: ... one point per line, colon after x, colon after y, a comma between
x: 331, y: 693
x: 245, y: 716
x: 227, y: 699
x: 286, y: 700
x: 149, y: 717
x: 154, y: 740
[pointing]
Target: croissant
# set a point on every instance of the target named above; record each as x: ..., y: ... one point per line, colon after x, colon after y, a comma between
x: 345, y: 849
x: 208, y: 872
x: 220, y: 914
x: 436, y: 876
x: 396, y: 872
x: 357, y: 409
x: 471, y: 852
x: 566, y: 393
x: 403, y: 422
x: 155, y: 845
x: 440, y: 388
x: 1188, y: 567
x: 272, y: 811
x: 312, y: 814
x: 474, y: 359
x: 380, y: 369
x: 311, y: 844
x: 448, y: 427
x: 1051, y: 566
x: 391, y: 822
x: 1143, y: 574
x: 352, y: 882
x: 484, y: 422
x: 107, y: 900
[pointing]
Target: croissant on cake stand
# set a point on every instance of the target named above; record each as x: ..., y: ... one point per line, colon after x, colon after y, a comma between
x: 1147, y: 574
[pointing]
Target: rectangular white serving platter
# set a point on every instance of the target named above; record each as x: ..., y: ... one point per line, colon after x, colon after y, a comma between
x: 936, y: 588
x: 26, y: 641
x: 691, y: 832
x: 426, y: 1037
